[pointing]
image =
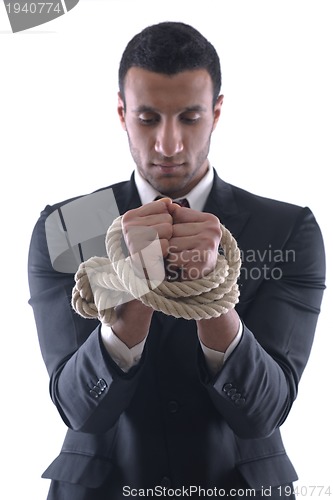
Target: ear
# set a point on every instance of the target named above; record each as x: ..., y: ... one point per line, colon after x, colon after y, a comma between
x: 121, y: 111
x: 217, y: 110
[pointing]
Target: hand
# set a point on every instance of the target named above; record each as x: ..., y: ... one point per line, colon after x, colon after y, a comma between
x: 193, y: 247
x: 147, y: 231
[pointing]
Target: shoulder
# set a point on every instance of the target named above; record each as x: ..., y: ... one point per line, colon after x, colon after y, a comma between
x: 255, y: 202
x: 265, y: 208
x: 106, y: 193
x: 272, y: 218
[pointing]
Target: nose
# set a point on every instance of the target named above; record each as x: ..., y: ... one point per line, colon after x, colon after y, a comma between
x: 169, y: 140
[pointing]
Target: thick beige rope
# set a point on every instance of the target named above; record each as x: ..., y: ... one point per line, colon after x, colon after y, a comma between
x: 103, y: 283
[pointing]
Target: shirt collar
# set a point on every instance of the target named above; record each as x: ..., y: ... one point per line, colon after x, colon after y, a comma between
x: 196, y: 197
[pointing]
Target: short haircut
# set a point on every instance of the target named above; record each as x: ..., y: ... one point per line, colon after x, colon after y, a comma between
x: 170, y: 48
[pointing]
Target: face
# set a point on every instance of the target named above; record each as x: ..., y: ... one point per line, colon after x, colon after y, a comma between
x: 169, y: 121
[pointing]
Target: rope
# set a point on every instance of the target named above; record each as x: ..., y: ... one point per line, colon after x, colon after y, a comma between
x: 102, y: 283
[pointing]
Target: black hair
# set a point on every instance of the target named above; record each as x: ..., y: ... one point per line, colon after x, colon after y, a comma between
x: 169, y: 48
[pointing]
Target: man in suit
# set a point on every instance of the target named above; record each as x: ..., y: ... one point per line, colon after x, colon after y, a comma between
x: 157, y: 405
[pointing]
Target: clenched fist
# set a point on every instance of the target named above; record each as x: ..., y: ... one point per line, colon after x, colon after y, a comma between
x: 163, y: 237
x: 193, y: 247
x: 147, y: 231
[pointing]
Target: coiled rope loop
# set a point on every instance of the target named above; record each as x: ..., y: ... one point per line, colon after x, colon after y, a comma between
x: 102, y: 283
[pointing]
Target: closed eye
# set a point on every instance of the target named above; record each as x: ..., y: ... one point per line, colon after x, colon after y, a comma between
x: 190, y: 121
x: 148, y: 118
x: 190, y: 118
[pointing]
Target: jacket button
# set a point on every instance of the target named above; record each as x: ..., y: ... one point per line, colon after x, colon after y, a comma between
x: 240, y: 402
x: 227, y: 387
x: 231, y: 392
x: 173, y: 406
x: 94, y: 394
x: 101, y: 384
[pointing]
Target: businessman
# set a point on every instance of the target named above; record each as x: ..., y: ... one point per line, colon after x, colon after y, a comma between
x: 157, y: 405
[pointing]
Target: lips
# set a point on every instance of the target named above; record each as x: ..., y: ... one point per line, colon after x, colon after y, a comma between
x: 168, y: 165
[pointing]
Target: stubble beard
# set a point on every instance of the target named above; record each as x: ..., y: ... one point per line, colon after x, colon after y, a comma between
x: 177, y: 187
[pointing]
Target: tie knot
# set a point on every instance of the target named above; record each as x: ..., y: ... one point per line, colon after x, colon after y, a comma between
x: 182, y: 202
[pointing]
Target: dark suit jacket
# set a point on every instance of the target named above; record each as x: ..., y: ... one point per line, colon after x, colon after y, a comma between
x: 167, y: 422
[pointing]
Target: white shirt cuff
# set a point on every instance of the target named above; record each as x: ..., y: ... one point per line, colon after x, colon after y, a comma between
x: 124, y: 356
x: 216, y: 359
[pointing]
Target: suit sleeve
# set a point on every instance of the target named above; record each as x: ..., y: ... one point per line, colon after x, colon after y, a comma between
x: 89, y: 390
x: 256, y: 387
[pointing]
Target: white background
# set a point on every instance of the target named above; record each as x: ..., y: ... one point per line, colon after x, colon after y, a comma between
x: 60, y: 137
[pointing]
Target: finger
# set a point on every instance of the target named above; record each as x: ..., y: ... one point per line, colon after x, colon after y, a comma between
x: 149, y: 231
x: 166, y: 200
x: 139, y: 237
x: 186, y: 240
x: 184, y: 214
x: 147, y: 220
x: 182, y: 243
x: 154, y: 207
x: 187, y: 229
x: 188, y: 251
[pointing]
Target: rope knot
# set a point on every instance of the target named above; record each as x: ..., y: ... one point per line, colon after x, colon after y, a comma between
x: 102, y: 283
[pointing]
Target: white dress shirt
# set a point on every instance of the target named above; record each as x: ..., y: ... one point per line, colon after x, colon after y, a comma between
x: 125, y: 357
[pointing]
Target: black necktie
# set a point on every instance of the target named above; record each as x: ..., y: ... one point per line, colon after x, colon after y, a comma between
x: 182, y: 202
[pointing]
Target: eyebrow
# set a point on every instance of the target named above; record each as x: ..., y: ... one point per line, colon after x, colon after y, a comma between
x: 189, y: 109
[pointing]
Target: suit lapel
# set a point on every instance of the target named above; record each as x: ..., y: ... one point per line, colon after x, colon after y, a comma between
x: 127, y: 196
x: 221, y: 202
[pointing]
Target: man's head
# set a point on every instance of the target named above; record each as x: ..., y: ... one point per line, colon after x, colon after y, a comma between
x: 170, y: 48
x: 169, y: 104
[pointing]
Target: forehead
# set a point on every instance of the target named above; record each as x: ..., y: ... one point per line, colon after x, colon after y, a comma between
x: 186, y: 88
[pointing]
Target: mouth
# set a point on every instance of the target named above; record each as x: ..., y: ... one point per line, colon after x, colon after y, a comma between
x: 168, y: 166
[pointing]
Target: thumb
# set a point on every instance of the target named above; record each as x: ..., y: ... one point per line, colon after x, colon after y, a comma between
x: 166, y: 200
x: 173, y: 207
